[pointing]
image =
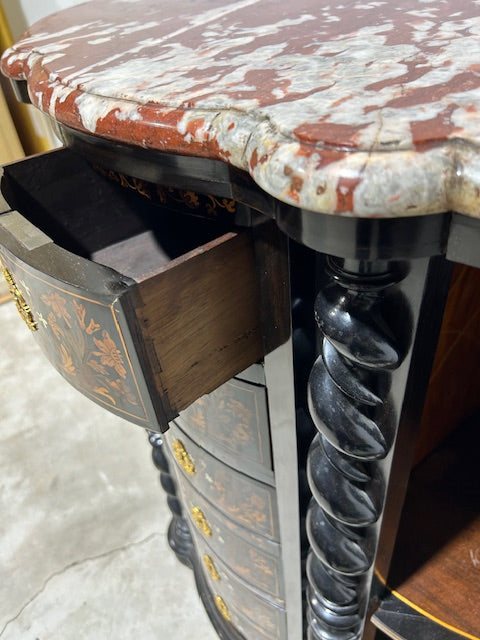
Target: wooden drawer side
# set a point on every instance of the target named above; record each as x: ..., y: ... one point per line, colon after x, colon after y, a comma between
x: 201, y: 318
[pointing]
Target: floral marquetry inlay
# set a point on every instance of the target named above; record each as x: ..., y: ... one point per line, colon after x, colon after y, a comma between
x: 86, y: 351
x: 82, y: 338
x: 234, y: 416
x: 203, y: 205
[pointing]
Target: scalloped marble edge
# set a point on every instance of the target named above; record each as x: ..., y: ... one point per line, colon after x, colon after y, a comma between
x: 339, y: 181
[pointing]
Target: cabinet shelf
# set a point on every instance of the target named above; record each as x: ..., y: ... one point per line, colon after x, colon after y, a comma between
x: 433, y: 588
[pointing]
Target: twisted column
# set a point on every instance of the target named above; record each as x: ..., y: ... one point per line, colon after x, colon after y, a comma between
x: 349, y: 401
x: 179, y: 536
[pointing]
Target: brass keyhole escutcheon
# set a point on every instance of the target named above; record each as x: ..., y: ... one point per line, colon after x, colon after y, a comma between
x: 201, y: 521
x: 211, y: 568
x: 20, y: 302
x: 222, y: 607
x: 184, y: 459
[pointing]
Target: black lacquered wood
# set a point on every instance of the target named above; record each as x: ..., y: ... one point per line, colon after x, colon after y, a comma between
x: 179, y: 536
x: 350, y: 402
x: 351, y: 500
x: 366, y: 238
x: 181, y: 541
x: 345, y: 423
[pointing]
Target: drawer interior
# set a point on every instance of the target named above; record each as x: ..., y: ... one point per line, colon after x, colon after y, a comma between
x: 84, y: 213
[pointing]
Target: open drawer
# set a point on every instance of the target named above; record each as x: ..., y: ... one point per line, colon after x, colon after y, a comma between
x: 141, y: 309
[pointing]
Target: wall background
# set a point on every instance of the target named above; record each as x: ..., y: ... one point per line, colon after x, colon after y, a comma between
x: 23, y: 13
x: 23, y: 129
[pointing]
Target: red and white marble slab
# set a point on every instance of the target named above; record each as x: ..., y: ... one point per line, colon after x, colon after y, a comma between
x: 357, y: 107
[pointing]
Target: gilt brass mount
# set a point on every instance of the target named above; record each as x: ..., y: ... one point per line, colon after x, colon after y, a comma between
x: 184, y: 459
x: 20, y: 302
x: 211, y: 568
x: 222, y: 607
x: 201, y: 521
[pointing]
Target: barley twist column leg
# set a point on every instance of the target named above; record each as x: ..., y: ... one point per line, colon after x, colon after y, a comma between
x: 179, y: 536
x: 350, y: 404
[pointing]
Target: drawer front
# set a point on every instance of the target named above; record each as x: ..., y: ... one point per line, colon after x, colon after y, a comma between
x: 84, y: 336
x: 247, y: 609
x: 232, y: 424
x: 164, y: 324
x: 258, y: 578
x: 248, y: 502
x: 253, y: 558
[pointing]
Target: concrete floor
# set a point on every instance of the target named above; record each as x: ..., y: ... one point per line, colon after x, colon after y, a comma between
x: 83, y: 550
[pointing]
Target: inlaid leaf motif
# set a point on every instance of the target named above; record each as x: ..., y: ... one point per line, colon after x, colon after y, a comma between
x: 104, y: 392
x: 80, y: 312
x: 123, y: 390
x: 190, y: 198
x: 96, y: 366
x: 55, y: 327
x: 109, y: 354
x: 58, y: 305
x: 197, y: 416
x: 92, y: 327
x: 67, y: 362
x: 87, y: 353
x: 241, y: 432
x: 87, y: 340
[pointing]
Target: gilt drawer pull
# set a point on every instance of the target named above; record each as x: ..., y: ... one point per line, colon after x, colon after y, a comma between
x: 20, y: 302
x: 183, y: 457
x: 201, y: 521
x: 211, y: 568
x: 222, y: 607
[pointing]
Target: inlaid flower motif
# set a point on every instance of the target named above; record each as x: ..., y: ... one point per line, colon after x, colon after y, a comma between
x: 213, y: 205
x: 197, y: 416
x: 252, y: 510
x: 96, y: 366
x: 141, y: 187
x: 54, y: 326
x: 41, y: 319
x: 103, y: 391
x: 92, y: 327
x: 239, y: 410
x: 190, y: 198
x: 87, y: 352
x: 241, y: 432
x: 80, y: 312
x: 109, y: 354
x: 260, y: 562
x: 123, y: 390
x: 161, y: 194
x: 58, y: 305
x: 255, y: 510
x: 67, y: 362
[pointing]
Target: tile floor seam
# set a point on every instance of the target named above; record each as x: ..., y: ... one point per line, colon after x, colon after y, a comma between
x: 77, y: 563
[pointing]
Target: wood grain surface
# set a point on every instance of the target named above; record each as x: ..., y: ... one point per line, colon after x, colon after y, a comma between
x: 201, y: 317
x: 436, y: 564
x: 454, y: 389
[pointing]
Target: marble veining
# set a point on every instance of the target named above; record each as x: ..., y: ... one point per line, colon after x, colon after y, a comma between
x: 366, y: 108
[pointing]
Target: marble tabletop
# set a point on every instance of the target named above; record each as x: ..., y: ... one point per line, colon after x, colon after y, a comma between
x: 353, y: 108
